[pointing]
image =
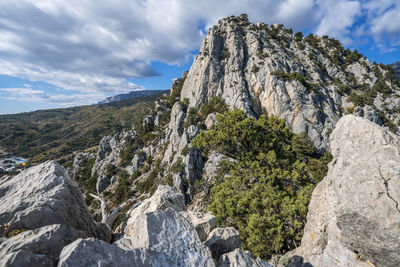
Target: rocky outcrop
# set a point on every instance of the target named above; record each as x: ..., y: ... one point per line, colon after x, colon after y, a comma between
x: 165, y: 197
x: 368, y: 113
x: 92, y: 252
x: 240, y: 258
x: 203, y: 222
x: 40, y: 247
x: 79, y: 158
x: 223, y: 240
x: 256, y: 67
x: 168, y: 232
x: 354, y: 215
x: 41, y: 196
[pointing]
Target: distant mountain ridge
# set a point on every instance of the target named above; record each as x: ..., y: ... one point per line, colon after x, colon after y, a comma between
x: 132, y: 94
x: 396, y: 67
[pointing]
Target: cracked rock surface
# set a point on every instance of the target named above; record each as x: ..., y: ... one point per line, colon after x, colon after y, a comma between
x: 354, y: 217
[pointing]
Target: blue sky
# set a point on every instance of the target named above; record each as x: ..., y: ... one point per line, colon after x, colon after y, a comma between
x: 64, y: 53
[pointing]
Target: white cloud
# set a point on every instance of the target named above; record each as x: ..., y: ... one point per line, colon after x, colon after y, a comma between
x: 337, y: 16
x: 384, y: 21
x: 93, y: 46
x: 33, y: 95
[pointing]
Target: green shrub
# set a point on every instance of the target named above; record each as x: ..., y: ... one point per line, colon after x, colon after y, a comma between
x: 175, y: 93
x: 298, y: 36
x: 122, y: 191
x: 87, y: 181
x: 193, y: 118
x: 255, y: 69
x: 216, y: 104
x: 177, y: 167
x: 265, y: 192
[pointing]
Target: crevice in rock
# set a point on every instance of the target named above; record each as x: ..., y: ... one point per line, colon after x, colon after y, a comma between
x: 385, y: 182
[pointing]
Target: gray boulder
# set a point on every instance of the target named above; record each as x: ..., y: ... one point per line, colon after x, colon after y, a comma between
x: 164, y: 197
x: 23, y: 258
x: 37, y: 247
x: 44, y: 195
x: 223, y: 240
x: 240, y: 258
x: 104, y: 148
x: 368, y: 113
x: 96, y: 253
x: 203, y: 222
x: 168, y: 232
x: 354, y: 217
x: 211, y: 120
x: 78, y: 159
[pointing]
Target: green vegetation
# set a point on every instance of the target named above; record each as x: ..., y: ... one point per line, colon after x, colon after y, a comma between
x: 265, y: 192
x: 149, y: 185
x: 298, y: 36
x: 216, y: 104
x: 175, y: 93
x: 49, y: 134
x: 255, y: 69
x: 312, y: 87
x: 86, y: 181
x: 122, y: 192
x: 177, y: 167
x: 16, y: 232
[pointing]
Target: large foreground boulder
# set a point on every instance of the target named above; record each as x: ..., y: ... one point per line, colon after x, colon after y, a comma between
x: 41, y: 196
x: 39, y: 247
x: 354, y: 214
x: 168, y: 232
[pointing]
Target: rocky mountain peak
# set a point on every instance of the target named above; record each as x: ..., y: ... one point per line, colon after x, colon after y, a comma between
x: 309, y: 81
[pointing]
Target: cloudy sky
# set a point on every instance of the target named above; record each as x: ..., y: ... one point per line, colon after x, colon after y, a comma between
x: 57, y: 53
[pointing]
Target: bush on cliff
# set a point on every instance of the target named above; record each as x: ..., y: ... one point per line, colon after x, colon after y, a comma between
x: 265, y: 192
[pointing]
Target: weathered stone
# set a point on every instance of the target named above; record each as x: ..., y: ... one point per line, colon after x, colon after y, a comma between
x: 211, y: 120
x: 43, y: 244
x: 204, y: 223
x: 168, y: 232
x: 369, y: 113
x: 102, y: 183
x: 78, y: 159
x: 238, y: 61
x: 240, y: 258
x: 223, y: 240
x: 104, y: 148
x: 164, y: 197
x: 354, y: 218
x: 92, y: 253
x: 23, y: 258
x: 44, y: 195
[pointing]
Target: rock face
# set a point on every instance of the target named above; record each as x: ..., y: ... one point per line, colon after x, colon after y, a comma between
x: 223, y: 240
x: 354, y: 216
x: 91, y: 252
x: 165, y: 197
x: 44, y: 195
x: 249, y: 67
x: 168, y: 232
x: 43, y: 244
x: 204, y: 223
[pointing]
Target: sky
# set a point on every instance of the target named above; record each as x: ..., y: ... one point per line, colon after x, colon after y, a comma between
x: 57, y: 53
